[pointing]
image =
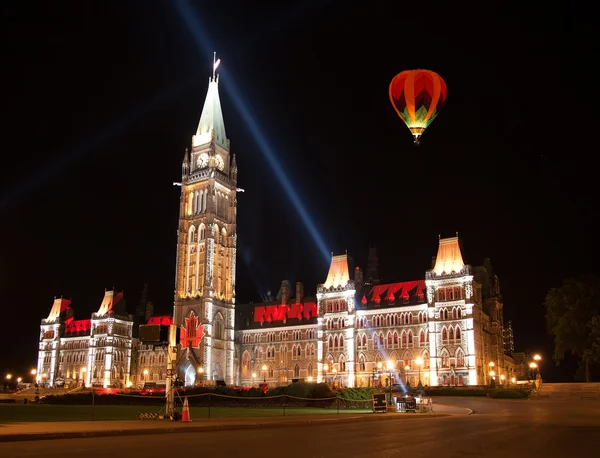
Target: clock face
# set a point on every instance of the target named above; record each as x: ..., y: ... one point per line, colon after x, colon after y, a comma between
x: 202, y: 161
x: 220, y: 163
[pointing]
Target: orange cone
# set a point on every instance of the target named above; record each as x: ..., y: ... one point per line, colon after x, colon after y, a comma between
x: 185, y: 414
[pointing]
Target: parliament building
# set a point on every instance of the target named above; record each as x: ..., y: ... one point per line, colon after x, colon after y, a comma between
x: 446, y: 328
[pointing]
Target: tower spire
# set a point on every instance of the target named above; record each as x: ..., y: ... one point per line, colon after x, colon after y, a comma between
x: 211, y: 124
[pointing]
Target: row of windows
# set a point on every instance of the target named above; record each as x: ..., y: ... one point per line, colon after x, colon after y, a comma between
x: 281, y: 336
x: 336, y: 306
x: 394, y: 319
x: 454, y: 314
x: 257, y: 370
x: 451, y: 334
x: 297, y: 351
x: 151, y: 359
x: 452, y: 293
x: 393, y: 340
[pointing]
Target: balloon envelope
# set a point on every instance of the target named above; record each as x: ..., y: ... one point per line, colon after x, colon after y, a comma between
x: 417, y: 96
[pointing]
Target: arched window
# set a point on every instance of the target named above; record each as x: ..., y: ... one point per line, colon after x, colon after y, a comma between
x: 342, y: 364
x: 451, y: 336
x: 396, y: 339
x: 390, y: 339
x: 457, y: 333
x: 445, y: 358
x: 219, y: 327
x: 421, y: 337
x: 296, y: 371
x: 362, y: 366
x: 426, y: 360
x: 310, y: 371
x: 410, y: 337
x: 444, y: 335
x: 404, y: 338
x: 408, y: 359
x: 190, y: 203
x: 246, y: 364
x: 460, y: 358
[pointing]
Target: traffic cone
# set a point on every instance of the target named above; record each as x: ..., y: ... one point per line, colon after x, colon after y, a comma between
x: 185, y: 415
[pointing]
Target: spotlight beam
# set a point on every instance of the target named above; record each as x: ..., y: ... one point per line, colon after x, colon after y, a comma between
x: 201, y: 40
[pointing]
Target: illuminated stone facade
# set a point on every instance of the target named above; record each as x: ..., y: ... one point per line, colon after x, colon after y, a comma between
x: 96, y: 351
x: 444, y: 330
x: 204, y: 302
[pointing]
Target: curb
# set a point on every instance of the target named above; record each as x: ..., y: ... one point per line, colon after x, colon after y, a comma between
x: 190, y: 429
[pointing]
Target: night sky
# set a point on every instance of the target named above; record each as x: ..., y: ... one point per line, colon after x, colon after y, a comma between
x: 101, y: 101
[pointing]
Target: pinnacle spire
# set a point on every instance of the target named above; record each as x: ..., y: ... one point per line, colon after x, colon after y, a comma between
x: 211, y: 125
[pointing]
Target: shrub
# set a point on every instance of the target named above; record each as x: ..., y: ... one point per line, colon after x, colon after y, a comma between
x: 356, y: 394
x: 299, y: 390
x: 321, y: 390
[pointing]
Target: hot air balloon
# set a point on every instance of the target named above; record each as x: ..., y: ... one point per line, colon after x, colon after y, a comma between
x: 417, y: 96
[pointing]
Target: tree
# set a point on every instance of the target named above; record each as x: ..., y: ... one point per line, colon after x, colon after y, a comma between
x: 573, y: 319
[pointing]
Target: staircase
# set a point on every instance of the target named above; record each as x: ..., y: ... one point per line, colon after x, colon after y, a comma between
x: 570, y: 391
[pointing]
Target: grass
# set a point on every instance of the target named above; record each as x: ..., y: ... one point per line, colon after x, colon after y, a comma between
x: 19, y: 413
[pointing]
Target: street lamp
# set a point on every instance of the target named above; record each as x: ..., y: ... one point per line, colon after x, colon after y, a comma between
x: 513, y: 380
x: 537, y: 358
x: 390, y: 367
x: 264, y: 368
x: 491, y: 366
x: 33, y: 372
x: 8, y: 376
x: 334, y: 372
x: 419, y: 362
x: 253, y: 378
x: 502, y: 379
x: 201, y: 372
x: 406, y: 369
x: 19, y: 380
x: 145, y: 375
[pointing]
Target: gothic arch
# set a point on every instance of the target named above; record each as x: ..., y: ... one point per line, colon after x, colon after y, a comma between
x: 246, y: 360
x: 219, y: 326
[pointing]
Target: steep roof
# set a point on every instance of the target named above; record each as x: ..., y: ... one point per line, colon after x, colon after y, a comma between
x: 449, y: 258
x: 211, y: 118
x: 276, y: 314
x: 58, y: 307
x: 393, y: 294
x: 112, y: 303
x: 338, y: 272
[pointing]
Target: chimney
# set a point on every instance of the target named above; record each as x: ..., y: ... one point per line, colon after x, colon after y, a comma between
x: 149, y: 310
x: 285, y: 291
x: 299, y: 292
x: 358, y: 276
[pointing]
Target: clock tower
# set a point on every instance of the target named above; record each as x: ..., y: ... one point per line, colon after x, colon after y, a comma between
x: 204, y: 302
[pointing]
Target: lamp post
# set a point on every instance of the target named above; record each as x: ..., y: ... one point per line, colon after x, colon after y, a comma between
x: 491, y: 366
x: 325, y: 370
x: 502, y: 379
x: 406, y: 369
x: 253, y: 378
x: 533, y: 366
x: 379, y: 367
x: 200, y: 373
x: 390, y: 367
x: 264, y: 369
x: 419, y: 362
x: 33, y: 372
x: 537, y: 358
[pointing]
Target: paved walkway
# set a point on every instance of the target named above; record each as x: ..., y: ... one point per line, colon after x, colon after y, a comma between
x: 12, y: 432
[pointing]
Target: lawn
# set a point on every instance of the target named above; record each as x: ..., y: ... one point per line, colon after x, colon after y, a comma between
x: 18, y: 413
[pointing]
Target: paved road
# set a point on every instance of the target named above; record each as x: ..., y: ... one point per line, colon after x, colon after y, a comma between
x: 496, y: 429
